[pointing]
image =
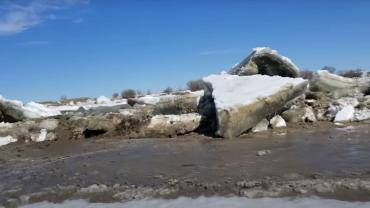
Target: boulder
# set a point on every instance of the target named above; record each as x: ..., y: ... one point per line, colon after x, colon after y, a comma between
x: 266, y: 61
x: 240, y: 102
x: 172, y: 125
x: 338, y: 86
x: 263, y: 125
x: 277, y: 122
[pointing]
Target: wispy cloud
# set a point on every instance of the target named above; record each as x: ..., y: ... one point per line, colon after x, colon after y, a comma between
x: 37, y: 42
x: 220, y: 51
x: 16, y: 18
x: 78, y: 21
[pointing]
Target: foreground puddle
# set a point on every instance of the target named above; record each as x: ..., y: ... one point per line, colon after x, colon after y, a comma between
x: 212, y: 202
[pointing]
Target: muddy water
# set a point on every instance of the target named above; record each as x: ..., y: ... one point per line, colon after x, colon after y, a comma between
x: 303, y: 153
x: 214, y: 202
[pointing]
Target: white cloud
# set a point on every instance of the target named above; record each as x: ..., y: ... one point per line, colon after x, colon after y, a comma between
x: 37, y: 42
x: 16, y: 18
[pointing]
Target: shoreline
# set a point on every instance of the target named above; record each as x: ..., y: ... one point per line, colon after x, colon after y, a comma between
x: 321, y: 160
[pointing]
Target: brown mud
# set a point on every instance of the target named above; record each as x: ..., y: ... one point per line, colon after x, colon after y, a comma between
x: 319, y: 159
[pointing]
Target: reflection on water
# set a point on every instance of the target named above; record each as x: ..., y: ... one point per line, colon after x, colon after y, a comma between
x: 212, y: 202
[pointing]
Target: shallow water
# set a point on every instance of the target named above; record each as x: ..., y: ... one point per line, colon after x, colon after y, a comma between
x: 213, y: 202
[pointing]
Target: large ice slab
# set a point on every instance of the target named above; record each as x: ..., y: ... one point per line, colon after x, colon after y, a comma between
x: 242, y: 101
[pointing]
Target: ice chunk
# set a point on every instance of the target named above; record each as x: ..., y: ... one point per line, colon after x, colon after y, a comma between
x: 261, y: 126
x: 6, y: 140
x: 103, y: 100
x: 277, y: 122
x: 345, y: 114
x: 240, y: 102
x: 232, y: 90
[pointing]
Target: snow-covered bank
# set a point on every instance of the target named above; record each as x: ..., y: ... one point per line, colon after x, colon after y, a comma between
x: 212, y: 202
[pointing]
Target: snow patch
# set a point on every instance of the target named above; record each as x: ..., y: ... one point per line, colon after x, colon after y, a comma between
x: 6, y: 140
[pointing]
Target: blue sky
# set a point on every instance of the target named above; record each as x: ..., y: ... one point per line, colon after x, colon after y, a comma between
x: 97, y: 47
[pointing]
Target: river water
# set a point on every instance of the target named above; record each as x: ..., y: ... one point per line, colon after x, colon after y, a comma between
x: 212, y: 202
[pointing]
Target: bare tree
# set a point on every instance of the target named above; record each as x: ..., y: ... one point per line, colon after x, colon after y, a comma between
x: 63, y: 98
x: 168, y: 90
x: 139, y: 93
x: 129, y: 93
x: 352, y: 73
x: 195, y: 85
x: 115, y: 95
x: 306, y: 74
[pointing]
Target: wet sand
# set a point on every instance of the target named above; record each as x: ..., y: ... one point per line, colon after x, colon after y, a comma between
x: 300, y: 160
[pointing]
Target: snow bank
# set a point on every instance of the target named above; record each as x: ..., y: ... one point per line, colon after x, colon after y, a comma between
x: 211, y: 202
x: 232, y: 90
x: 6, y: 140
